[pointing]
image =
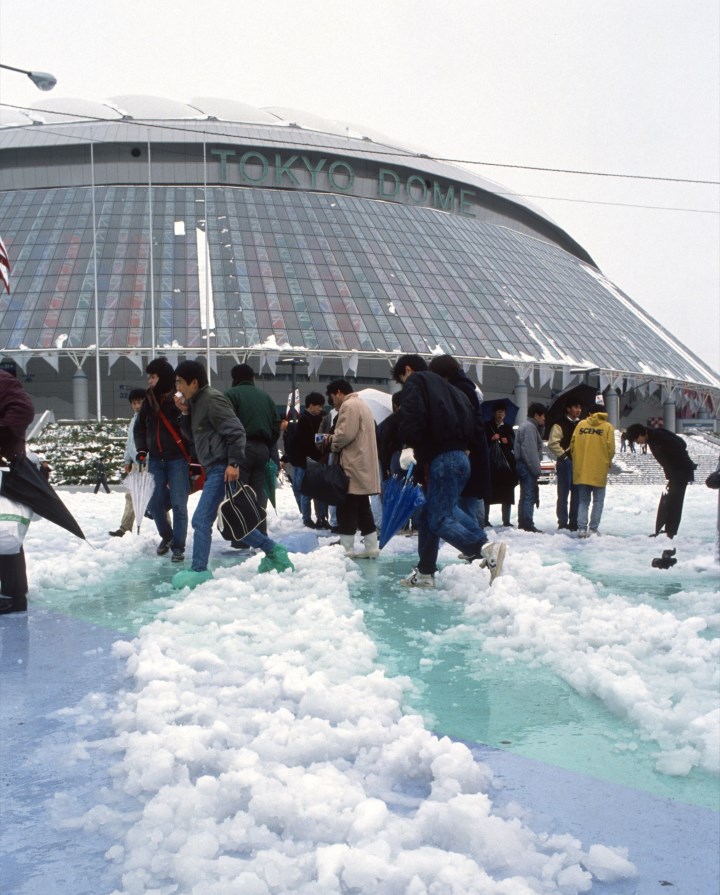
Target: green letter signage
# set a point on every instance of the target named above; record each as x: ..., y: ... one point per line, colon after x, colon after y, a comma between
x: 383, y: 174
x: 224, y: 154
x: 349, y: 173
x: 245, y: 158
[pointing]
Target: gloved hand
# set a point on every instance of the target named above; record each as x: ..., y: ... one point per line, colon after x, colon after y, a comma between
x: 141, y: 456
x: 407, y: 458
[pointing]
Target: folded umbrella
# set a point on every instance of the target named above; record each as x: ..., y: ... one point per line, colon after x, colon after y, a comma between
x: 24, y: 483
x: 401, y: 498
x: 271, y: 471
x: 141, y: 486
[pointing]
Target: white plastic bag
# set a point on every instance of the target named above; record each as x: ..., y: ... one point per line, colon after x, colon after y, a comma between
x: 14, y: 521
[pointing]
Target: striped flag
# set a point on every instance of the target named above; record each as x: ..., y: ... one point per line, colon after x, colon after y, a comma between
x: 4, y: 266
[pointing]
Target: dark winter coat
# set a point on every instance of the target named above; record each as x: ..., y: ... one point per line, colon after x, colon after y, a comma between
x: 303, y: 444
x: 503, y: 480
x: 16, y: 414
x: 428, y: 422
x: 257, y: 412
x: 671, y: 453
x: 151, y: 434
x: 478, y: 485
x: 217, y: 435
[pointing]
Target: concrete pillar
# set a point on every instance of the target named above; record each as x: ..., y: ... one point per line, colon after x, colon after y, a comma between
x: 669, y: 415
x: 80, y: 395
x: 521, y: 399
x: 612, y: 407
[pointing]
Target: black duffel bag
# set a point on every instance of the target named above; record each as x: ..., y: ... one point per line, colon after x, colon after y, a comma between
x: 239, y: 513
x: 328, y: 484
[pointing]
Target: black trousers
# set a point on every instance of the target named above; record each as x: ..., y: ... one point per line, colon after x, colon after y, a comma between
x: 669, y: 512
x: 354, y: 514
x: 13, y: 576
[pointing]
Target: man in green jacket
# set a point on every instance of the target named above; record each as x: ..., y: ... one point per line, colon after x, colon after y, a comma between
x: 592, y: 448
x: 257, y: 412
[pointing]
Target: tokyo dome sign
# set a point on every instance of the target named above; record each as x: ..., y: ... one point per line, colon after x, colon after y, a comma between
x: 366, y: 178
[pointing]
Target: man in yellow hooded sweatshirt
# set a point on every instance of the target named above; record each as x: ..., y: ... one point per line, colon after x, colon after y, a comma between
x: 592, y: 448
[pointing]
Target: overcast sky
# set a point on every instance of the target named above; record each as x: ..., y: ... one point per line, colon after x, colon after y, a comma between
x: 615, y: 87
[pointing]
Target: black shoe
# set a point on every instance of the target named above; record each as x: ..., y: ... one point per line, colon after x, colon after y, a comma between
x: 322, y: 524
x: 308, y: 523
x: 118, y: 533
x: 177, y: 556
x: 560, y: 527
x: 12, y: 604
x: 532, y: 529
x: 164, y: 546
x: 334, y: 530
x: 573, y: 527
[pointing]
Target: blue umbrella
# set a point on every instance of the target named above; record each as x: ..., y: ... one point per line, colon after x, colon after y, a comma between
x: 401, y: 498
x: 487, y: 408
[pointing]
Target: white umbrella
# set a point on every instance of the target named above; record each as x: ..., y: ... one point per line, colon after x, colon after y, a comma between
x: 141, y: 485
x: 379, y: 402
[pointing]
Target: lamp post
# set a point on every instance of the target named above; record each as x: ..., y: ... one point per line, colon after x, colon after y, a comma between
x: 294, y: 363
x: 41, y: 79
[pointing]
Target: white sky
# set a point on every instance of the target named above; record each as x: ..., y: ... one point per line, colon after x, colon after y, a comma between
x: 631, y: 88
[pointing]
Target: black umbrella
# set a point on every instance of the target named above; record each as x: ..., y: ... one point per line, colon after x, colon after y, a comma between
x: 25, y: 483
x: 487, y: 408
x: 581, y: 394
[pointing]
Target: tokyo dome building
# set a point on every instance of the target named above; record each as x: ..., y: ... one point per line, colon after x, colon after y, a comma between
x: 307, y: 247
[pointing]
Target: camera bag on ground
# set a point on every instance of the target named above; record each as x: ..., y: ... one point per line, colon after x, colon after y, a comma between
x: 239, y: 513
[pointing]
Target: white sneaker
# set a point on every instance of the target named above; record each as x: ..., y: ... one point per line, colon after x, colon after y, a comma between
x: 583, y: 533
x: 418, y: 579
x: 494, y: 556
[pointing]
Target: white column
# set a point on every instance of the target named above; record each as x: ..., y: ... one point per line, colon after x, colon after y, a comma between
x: 80, y: 395
x: 612, y: 407
x: 669, y: 415
x: 521, y: 399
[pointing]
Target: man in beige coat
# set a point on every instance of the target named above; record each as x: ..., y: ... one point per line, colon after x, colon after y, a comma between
x: 354, y: 441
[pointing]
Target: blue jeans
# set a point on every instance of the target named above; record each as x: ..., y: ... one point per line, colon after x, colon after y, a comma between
x: 440, y: 517
x: 529, y: 494
x: 172, y: 475
x: 566, y: 491
x: 305, y: 503
x: 213, y: 493
x: 598, y: 501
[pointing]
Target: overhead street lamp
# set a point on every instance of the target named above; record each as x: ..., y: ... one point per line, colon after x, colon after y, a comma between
x: 40, y: 79
x: 294, y: 362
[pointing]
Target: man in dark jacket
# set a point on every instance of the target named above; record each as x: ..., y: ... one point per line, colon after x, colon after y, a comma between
x: 16, y: 414
x: 477, y: 490
x: 671, y: 453
x: 209, y: 422
x: 303, y: 445
x: 158, y: 441
x: 258, y: 414
x: 437, y: 422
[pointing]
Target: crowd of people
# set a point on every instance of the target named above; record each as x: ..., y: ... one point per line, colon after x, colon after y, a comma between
x: 465, y: 459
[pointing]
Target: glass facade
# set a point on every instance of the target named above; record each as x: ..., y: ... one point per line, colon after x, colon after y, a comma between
x: 312, y: 270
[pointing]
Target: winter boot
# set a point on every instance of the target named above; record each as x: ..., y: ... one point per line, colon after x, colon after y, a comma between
x: 370, y: 547
x: 12, y: 604
x: 190, y: 578
x: 348, y: 542
x: 276, y: 560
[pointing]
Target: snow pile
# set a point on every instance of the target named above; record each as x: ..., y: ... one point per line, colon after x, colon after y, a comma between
x: 267, y: 753
x: 646, y: 665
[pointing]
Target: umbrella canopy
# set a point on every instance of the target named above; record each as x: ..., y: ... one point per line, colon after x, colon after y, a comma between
x: 379, y: 402
x: 141, y: 485
x: 25, y: 483
x: 487, y: 408
x: 581, y: 394
x: 401, y: 498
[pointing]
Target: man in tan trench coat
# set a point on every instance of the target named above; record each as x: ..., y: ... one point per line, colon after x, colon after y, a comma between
x: 354, y: 441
